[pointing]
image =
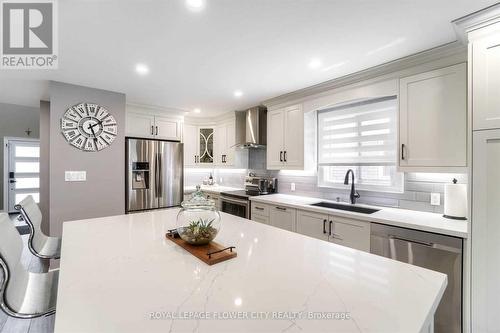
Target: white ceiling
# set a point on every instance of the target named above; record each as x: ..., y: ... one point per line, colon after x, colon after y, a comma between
x: 261, y: 47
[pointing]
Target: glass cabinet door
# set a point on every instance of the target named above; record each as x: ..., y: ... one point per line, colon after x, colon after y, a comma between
x: 206, y: 152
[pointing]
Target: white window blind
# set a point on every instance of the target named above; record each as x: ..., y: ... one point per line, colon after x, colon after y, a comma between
x: 361, y: 136
x: 362, y: 133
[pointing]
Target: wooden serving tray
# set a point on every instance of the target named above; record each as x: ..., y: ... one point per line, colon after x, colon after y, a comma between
x: 212, y: 253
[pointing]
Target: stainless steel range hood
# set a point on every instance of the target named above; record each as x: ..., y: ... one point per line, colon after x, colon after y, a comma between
x: 251, y: 128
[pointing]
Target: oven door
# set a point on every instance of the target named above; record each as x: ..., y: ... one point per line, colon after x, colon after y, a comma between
x: 233, y: 206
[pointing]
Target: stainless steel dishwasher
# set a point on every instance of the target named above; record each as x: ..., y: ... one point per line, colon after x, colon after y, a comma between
x: 433, y: 251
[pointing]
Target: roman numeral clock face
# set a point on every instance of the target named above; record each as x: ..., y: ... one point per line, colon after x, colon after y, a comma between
x: 88, y: 127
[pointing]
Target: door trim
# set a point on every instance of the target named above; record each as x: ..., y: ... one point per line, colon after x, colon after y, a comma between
x: 5, y: 189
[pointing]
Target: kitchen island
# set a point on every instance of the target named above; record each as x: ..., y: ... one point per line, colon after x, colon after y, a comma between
x: 120, y: 274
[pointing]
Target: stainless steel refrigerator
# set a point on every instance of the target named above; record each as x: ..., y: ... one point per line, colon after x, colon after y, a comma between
x: 154, y: 174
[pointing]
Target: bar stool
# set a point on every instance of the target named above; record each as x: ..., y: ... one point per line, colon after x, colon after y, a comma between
x: 39, y: 244
x: 23, y: 294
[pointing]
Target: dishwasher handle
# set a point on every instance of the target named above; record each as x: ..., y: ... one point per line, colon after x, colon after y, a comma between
x: 427, y: 244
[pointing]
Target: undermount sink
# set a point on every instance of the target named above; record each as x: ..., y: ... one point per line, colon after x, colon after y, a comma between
x: 357, y: 209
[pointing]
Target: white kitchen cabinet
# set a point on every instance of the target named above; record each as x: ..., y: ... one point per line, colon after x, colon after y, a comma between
x: 260, y: 218
x: 140, y: 125
x: 351, y: 233
x: 486, y: 80
x: 285, y: 138
x: 144, y: 125
x: 339, y: 230
x: 198, y: 145
x: 190, y: 140
x: 283, y: 217
x: 433, y: 119
x: 313, y: 224
x: 224, y: 141
x: 168, y: 128
x: 485, y: 230
x: 259, y: 209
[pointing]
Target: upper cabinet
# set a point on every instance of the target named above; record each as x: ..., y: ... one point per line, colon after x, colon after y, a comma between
x: 433, y: 119
x: 285, y: 138
x: 210, y: 145
x: 486, y: 79
x: 225, y: 140
x: 145, y: 125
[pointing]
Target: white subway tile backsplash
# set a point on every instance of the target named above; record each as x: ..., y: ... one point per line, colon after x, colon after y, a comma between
x: 416, y: 195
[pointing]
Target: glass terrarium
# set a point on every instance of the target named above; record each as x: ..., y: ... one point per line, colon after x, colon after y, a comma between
x: 198, y: 222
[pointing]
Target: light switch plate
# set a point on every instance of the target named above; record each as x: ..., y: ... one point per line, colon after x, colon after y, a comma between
x: 75, y: 176
x: 292, y: 187
x: 435, y: 199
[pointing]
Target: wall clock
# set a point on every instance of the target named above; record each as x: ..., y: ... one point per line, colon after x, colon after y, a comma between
x: 89, y: 127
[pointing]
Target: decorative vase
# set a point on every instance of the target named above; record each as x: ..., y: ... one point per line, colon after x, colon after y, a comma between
x: 198, y: 222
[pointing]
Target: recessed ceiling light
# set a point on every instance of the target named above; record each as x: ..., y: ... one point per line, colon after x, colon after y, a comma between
x: 315, y: 63
x: 195, y: 5
x: 238, y: 93
x: 197, y: 110
x: 142, y: 69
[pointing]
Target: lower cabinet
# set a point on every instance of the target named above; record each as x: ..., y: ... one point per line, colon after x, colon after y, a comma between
x: 339, y: 230
x: 260, y: 218
x: 283, y: 217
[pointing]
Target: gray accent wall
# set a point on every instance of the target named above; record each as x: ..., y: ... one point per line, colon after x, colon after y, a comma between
x: 14, y: 121
x: 103, y: 194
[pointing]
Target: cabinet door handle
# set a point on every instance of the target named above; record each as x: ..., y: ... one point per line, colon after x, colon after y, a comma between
x: 281, y: 208
x: 330, y: 228
x: 324, y: 226
x: 284, y: 158
x: 259, y: 208
x: 403, y: 151
x: 156, y: 130
x: 152, y: 130
x: 281, y: 156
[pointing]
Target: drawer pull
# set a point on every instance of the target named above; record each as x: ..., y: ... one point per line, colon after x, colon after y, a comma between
x: 259, y: 208
x: 330, y: 228
x: 324, y: 226
x: 281, y: 208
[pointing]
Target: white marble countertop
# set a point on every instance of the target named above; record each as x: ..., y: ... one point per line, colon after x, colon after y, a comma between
x: 216, y: 189
x: 412, y: 219
x: 120, y: 274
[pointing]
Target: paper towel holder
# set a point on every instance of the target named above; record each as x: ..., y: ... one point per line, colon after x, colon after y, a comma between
x: 454, y: 217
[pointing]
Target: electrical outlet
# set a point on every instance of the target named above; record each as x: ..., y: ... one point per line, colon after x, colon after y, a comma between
x: 75, y: 176
x: 292, y: 187
x: 435, y: 199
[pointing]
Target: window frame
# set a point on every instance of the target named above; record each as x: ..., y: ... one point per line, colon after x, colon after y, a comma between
x: 398, y: 183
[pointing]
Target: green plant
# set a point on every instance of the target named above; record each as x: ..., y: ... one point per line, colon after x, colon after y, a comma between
x: 199, y: 232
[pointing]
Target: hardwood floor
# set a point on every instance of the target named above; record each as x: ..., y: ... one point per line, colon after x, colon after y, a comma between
x: 38, y: 325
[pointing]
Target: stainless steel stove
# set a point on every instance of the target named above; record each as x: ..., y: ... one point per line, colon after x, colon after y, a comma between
x: 238, y: 202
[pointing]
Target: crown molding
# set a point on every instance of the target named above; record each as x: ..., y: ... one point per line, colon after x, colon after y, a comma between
x: 477, y: 20
x: 434, y: 54
x: 159, y: 110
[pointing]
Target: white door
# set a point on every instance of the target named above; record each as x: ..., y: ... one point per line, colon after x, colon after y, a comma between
x: 140, y: 125
x: 190, y: 139
x: 220, y: 137
x: 486, y: 80
x: 313, y: 224
x: 230, y: 143
x: 433, y: 118
x: 283, y: 217
x: 293, y: 154
x: 275, y: 130
x: 485, y: 231
x: 23, y: 173
x: 351, y: 233
x: 167, y: 129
